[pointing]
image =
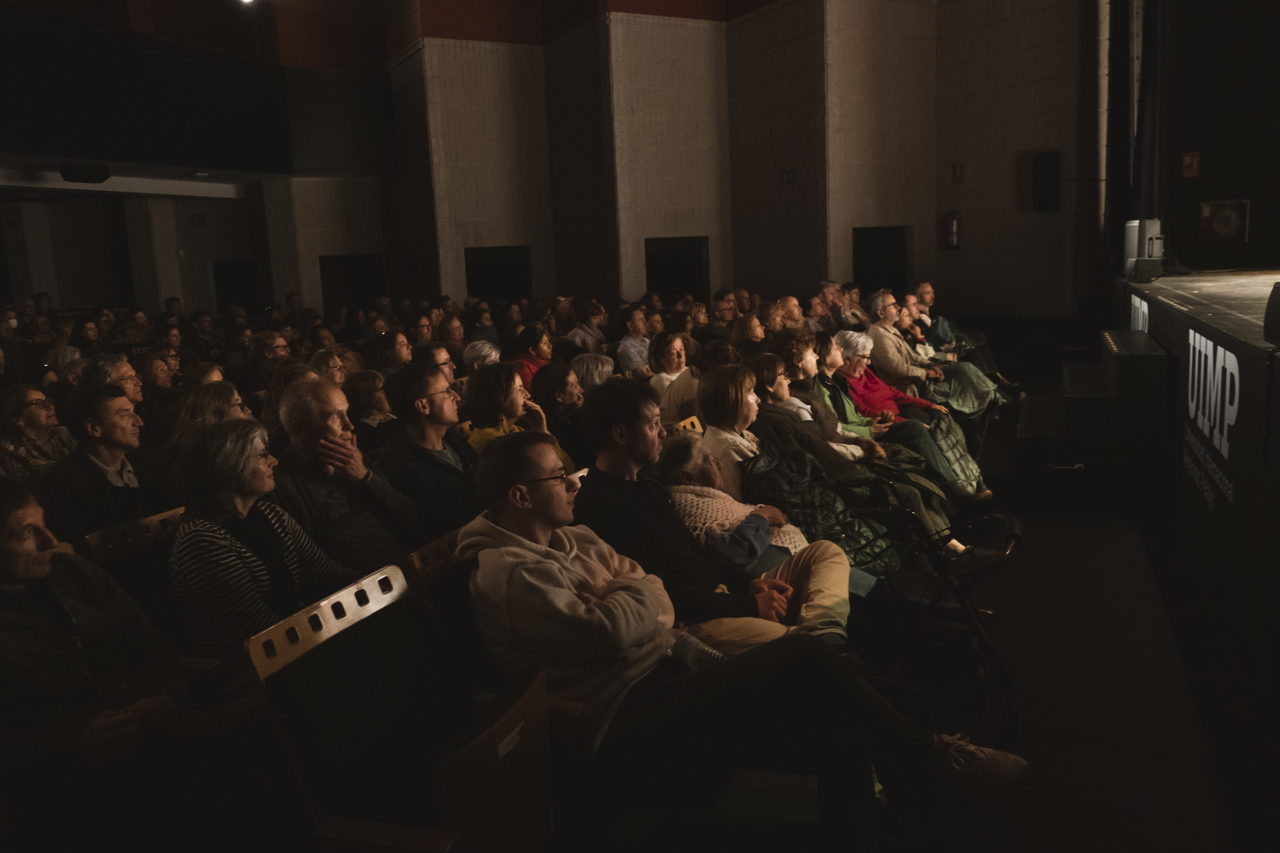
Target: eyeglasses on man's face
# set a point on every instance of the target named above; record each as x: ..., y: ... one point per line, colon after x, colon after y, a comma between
x: 563, y: 477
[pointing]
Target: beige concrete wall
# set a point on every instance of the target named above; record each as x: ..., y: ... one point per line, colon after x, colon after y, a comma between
x: 881, y: 133
x: 487, y: 120
x: 310, y: 217
x: 1014, y: 77
x: 777, y: 125
x: 671, y: 135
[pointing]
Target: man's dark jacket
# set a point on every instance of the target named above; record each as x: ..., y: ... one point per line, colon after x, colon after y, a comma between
x: 444, y: 495
x: 78, y: 499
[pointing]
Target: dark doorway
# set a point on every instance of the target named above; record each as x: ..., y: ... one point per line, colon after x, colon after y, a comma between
x: 674, y: 266
x: 499, y: 272
x: 351, y: 280
x: 882, y: 258
x: 242, y: 282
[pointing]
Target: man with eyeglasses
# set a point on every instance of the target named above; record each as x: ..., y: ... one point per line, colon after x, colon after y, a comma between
x: 671, y: 719
x: 425, y: 461
x: 436, y: 354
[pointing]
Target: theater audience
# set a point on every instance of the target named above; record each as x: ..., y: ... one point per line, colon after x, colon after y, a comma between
x: 426, y: 461
x: 555, y: 596
x: 675, y: 382
x: 636, y: 516
x: 31, y: 439
x: 240, y: 564
x: 85, y: 337
x: 210, y: 403
x: 892, y: 408
x: 103, y: 482
x: 774, y: 387
x: 961, y: 387
x: 328, y: 364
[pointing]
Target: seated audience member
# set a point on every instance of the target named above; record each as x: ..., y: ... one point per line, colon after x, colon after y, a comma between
x: 592, y: 369
x: 205, y: 342
x: 103, y: 482
x: 240, y: 564
x: 588, y: 335
x: 200, y: 373
x: 136, y: 331
x: 813, y: 362
x: 425, y: 461
x: 495, y: 399
x: 747, y: 335
x: 418, y: 329
x: 210, y: 403
x: 267, y: 348
x: 85, y: 337
x: 370, y: 412
x: 282, y: 373
x: 532, y: 352
x: 941, y: 332
x: 723, y: 606
x: 478, y: 354
x: 558, y: 393
x: 328, y: 365
x: 960, y: 387
x: 717, y: 354
x: 675, y: 382
x: 723, y: 313
x: 336, y: 494
x: 653, y: 323
x: 633, y: 350
x: 388, y: 353
x: 557, y: 597
x: 437, y: 354
x: 852, y: 314
x: 700, y: 318
x: 892, y: 409
x: 774, y: 388
x: 478, y: 325
x: 758, y: 538
x: 450, y: 333
x: 31, y: 440
x: 792, y: 315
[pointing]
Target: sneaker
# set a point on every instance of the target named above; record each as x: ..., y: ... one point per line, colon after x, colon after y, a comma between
x: 975, y: 766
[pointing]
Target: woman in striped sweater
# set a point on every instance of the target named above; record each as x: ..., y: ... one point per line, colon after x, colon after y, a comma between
x: 239, y: 564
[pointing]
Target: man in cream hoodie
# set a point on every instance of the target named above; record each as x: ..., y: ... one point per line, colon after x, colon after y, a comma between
x: 675, y: 726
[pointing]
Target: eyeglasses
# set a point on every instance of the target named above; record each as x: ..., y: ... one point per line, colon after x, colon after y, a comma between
x: 43, y: 404
x: 437, y: 393
x: 563, y: 478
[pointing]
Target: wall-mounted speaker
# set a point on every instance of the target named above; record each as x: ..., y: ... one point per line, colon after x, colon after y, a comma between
x: 1046, y: 182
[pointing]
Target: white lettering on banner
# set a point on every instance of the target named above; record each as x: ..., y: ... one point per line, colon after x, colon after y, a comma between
x: 1138, y: 313
x: 1213, y: 389
x: 1212, y: 472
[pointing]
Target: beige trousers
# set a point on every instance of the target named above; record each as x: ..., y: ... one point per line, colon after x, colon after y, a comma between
x: 819, y: 575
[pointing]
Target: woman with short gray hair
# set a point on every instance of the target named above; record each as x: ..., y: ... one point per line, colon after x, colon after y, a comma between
x: 239, y: 563
x: 592, y: 369
x: 478, y: 354
x: 924, y: 427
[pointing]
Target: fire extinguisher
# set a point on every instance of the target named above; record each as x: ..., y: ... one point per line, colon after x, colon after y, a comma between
x: 951, y: 230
